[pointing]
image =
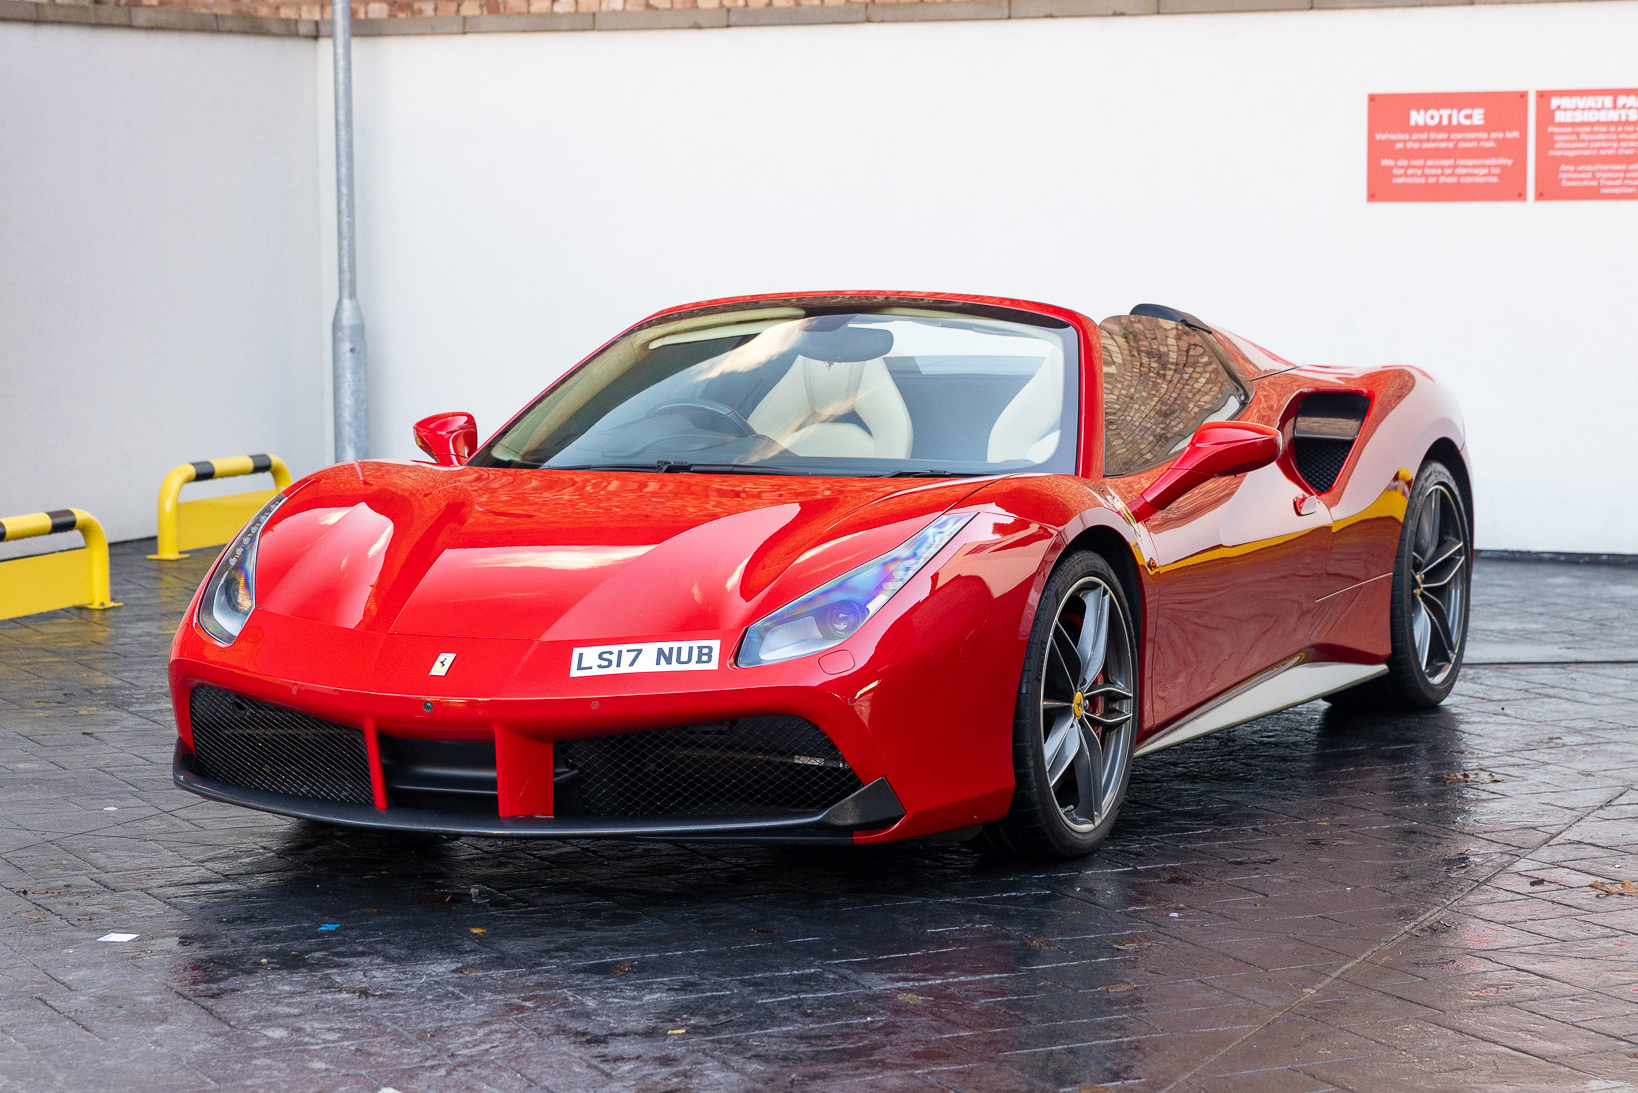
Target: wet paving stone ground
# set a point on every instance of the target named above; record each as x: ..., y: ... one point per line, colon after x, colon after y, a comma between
x: 1310, y: 902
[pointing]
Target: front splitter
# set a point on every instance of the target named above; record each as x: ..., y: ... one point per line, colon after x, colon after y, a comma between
x: 872, y: 808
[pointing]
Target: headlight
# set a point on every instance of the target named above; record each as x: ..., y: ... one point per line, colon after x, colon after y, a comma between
x: 831, y: 614
x: 230, y: 594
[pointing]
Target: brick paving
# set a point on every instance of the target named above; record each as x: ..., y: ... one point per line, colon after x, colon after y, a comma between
x: 1310, y: 902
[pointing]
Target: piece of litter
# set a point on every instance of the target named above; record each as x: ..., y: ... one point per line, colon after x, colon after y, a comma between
x: 479, y: 930
x: 1171, y: 914
x: 1615, y: 888
x: 675, y: 1031
x: 119, y: 937
x: 330, y: 926
x: 110, y: 808
x: 386, y: 1089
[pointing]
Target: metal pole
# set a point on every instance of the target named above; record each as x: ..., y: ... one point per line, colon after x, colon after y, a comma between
x: 348, y: 357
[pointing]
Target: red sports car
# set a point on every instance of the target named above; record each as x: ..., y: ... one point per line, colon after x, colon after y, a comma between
x: 835, y: 567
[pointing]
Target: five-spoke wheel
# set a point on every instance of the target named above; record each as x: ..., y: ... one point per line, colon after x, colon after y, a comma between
x: 1086, y: 704
x: 1438, y: 581
x: 1076, y: 717
x: 1427, y: 617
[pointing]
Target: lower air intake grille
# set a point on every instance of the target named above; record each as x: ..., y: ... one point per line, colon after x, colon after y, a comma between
x: 752, y: 766
x: 245, y: 742
x: 1320, y: 460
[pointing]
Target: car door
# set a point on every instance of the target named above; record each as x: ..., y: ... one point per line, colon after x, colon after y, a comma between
x: 1235, y: 565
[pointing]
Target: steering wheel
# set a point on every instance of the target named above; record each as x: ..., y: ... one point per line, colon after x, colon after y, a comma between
x: 738, y: 426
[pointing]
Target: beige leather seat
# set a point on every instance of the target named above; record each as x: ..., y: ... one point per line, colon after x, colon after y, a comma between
x: 1028, y: 428
x: 801, y: 409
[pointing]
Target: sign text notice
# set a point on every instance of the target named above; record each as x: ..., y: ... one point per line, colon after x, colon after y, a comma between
x: 1447, y: 146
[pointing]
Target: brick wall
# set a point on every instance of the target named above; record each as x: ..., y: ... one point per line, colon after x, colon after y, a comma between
x: 404, y: 9
x: 391, y: 17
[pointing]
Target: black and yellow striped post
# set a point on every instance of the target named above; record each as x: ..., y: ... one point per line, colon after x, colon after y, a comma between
x: 212, y: 521
x: 66, y: 578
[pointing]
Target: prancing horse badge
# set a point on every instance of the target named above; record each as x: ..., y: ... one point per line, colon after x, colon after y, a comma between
x: 441, y: 665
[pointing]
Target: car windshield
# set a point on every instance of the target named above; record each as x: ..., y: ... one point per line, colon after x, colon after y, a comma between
x: 892, y: 391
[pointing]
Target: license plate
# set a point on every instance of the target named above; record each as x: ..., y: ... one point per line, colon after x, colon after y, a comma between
x: 645, y: 656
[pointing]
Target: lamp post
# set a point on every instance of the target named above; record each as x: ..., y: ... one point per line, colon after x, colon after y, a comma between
x: 348, y: 356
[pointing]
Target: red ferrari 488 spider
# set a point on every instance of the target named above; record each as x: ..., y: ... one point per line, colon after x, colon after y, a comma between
x: 852, y: 566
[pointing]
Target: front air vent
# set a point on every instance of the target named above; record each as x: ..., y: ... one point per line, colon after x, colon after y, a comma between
x: 243, y: 741
x: 753, y: 766
x: 1327, y: 425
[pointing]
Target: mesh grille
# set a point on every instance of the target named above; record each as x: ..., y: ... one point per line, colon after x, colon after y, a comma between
x: 1320, y: 460
x: 244, y: 742
x: 753, y: 766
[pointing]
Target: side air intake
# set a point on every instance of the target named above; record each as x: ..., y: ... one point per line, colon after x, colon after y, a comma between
x: 1327, y: 425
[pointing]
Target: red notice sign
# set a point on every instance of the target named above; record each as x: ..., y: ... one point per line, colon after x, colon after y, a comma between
x: 1448, y: 146
x: 1587, y: 145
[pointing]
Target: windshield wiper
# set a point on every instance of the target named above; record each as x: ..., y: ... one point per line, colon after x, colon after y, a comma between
x: 675, y: 466
x: 734, y: 468
x: 930, y: 474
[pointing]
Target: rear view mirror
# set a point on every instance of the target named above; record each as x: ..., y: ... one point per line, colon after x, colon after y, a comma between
x: 1216, y: 450
x: 450, y: 439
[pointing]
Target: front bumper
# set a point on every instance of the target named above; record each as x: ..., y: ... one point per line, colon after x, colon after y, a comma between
x: 874, y: 806
x: 918, y: 705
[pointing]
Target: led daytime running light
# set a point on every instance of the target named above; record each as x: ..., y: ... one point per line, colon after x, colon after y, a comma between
x: 230, y: 592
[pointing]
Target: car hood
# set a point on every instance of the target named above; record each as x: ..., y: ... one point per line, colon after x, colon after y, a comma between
x: 477, y: 552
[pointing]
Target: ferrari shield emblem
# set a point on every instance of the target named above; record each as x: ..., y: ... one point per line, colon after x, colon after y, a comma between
x: 441, y: 665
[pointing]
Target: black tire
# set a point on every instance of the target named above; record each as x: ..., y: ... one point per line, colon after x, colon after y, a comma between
x: 1051, y: 817
x: 1427, y: 618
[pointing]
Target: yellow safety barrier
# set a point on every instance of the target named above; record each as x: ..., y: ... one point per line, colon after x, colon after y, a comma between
x: 67, y: 578
x: 212, y: 521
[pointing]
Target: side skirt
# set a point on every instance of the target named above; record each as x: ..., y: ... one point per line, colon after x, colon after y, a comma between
x: 1287, y: 684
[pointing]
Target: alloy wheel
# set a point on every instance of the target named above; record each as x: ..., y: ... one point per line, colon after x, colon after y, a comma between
x: 1086, y: 704
x: 1439, y: 575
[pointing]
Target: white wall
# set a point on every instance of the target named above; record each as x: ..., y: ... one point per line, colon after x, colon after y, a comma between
x: 166, y: 236
x: 523, y: 197
x: 159, y: 275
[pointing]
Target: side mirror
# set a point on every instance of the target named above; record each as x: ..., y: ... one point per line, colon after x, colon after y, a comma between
x: 450, y: 439
x: 1216, y: 450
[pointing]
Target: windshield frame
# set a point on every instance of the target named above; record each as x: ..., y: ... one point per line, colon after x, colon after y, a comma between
x: 1086, y: 417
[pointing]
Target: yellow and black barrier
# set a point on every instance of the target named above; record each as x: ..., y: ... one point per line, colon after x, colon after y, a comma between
x: 212, y: 521
x: 67, y: 578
